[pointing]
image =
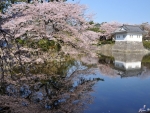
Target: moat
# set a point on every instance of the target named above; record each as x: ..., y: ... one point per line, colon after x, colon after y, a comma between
x: 107, y: 84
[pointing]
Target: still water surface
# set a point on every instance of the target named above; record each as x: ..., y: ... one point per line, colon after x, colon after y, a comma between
x: 112, y: 83
x: 126, y: 83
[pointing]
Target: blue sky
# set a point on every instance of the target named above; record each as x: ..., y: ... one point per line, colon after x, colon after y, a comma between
x: 124, y: 11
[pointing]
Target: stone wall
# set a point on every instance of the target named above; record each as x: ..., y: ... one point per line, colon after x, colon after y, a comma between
x: 128, y: 46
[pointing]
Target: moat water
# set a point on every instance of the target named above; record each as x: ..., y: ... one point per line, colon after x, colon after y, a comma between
x: 118, y: 83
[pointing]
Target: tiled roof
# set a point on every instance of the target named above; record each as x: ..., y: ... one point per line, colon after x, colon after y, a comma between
x: 129, y: 29
x: 132, y: 28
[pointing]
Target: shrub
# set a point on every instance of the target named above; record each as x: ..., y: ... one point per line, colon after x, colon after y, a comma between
x: 95, y: 29
x: 21, y: 41
x: 51, y: 43
x: 33, y: 44
x: 146, y: 44
x: 44, y: 44
x: 91, y: 22
x: 57, y: 47
x: 105, y: 42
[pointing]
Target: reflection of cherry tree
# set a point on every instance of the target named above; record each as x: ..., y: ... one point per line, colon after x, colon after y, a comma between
x: 54, y: 93
x: 107, y: 70
x: 106, y: 66
x: 75, y: 95
x: 145, y: 70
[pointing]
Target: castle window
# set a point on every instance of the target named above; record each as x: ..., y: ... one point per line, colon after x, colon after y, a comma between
x: 118, y: 36
x: 131, y: 36
x: 138, y: 36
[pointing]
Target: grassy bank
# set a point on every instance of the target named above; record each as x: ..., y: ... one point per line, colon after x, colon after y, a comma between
x: 105, y: 42
x: 146, y: 44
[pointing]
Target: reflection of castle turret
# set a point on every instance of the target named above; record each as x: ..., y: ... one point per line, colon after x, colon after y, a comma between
x: 128, y: 64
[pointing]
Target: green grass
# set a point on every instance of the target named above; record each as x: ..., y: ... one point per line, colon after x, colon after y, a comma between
x: 146, y: 44
x: 96, y: 29
x: 44, y: 44
x: 105, y: 42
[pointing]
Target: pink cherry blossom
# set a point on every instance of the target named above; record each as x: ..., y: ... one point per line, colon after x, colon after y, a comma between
x: 60, y: 16
x: 109, y: 28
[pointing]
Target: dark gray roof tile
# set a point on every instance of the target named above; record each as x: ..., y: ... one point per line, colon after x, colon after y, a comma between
x: 129, y: 29
x: 132, y: 28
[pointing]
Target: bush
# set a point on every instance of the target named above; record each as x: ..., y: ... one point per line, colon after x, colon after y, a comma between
x: 106, y: 42
x: 33, y: 44
x: 51, y: 43
x: 146, y: 44
x: 21, y: 41
x: 91, y: 22
x: 46, y: 44
x: 95, y: 29
x: 57, y: 47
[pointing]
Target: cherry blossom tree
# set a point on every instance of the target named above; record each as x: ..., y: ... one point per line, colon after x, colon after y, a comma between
x: 146, y: 27
x: 51, y: 20
x: 4, y: 4
x: 109, y: 28
x: 45, y: 18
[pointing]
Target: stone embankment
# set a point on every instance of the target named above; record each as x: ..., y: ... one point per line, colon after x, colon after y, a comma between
x: 123, y: 47
x: 129, y: 46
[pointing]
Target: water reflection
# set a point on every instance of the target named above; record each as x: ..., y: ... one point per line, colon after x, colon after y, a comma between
x: 128, y: 64
x: 35, y: 81
x: 124, y: 89
x: 58, y: 87
x: 106, y: 65
x: 123, y: 64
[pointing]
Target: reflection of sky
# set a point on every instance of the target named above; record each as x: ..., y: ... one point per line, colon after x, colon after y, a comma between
x: 116, y: 95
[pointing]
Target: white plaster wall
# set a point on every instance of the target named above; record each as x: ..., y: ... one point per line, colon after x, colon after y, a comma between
x: 134, y: 37
x: 129, y: 37
x: 121, y: 37
x: 128, y: 65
